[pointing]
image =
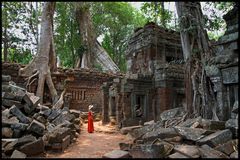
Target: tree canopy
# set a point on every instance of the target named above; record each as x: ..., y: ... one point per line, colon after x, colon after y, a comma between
x: 113, y: 22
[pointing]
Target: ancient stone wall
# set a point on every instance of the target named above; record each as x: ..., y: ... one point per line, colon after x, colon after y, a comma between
x: 83, y: 86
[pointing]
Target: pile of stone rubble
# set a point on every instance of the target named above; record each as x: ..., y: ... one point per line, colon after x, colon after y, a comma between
x: 29, y: 129
x: 174, y: 136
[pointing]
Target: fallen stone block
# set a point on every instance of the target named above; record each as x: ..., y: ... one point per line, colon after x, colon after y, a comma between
x: 160, y: 133
x: 58, y: 134
x: 171, y: 113
x: 6, y: 113
x: 12, y: 96
x: 117, y: 154
x: 17, y: 133
x: 192, y: 134
x: 138, y: 132
x: 16, y: 112
x: 125, y: 146
x: 186, y: 151
x: 125, y: 130
x: 149, y: 123
x: 25, y: 139
x: 9, y: 148
x: 8, y: 122
x: 41, y: 119
x: 216, y: 138
x: 76, y: 113
x: 17, y: 154
x: 33, y: 148
x: 234, y: 155
x: 147, y: 151
x: 66, y: 142
x: 7, y: 132
x: 208, y: 152
x: 6, y: 88
x: 54, y: 114
x: 19, y: 126
x: 213, y: 125
x: 34, y: 100
x: 178, y: 155
x: 232, y: 124
x: 6, y: 78
x: 36, y: 127
x: 190, y: 122
x: 228, y: 147
x: 9, y: 103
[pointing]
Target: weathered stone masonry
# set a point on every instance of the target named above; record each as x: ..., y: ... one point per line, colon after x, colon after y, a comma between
x: 83, y: 87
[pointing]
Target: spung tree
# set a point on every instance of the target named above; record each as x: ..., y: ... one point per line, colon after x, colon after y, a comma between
x: 200, y: 99
x: 45, y: 60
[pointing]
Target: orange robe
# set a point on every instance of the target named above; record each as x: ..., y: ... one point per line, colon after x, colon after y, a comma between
x: 90, y: 122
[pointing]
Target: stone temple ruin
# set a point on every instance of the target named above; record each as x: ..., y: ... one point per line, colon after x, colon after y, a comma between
x: 154, y: 79
x: 149, y: 97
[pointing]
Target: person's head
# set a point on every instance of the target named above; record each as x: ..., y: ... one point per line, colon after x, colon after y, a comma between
x: 90, y: 107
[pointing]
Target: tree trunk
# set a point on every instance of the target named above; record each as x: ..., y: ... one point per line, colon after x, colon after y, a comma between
x: 5, y: 41
x: 40, y: 63
x: 196, y: 52
x: 94, y: 53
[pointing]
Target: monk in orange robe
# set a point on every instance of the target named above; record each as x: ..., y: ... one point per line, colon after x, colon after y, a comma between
x: 90, y: 120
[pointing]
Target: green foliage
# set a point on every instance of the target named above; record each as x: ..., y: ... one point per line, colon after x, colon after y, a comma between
x: 115, y: 22
x: 214, y: 22
x: 66, y: 38
x: 19, y: 22
x: 155, y: 12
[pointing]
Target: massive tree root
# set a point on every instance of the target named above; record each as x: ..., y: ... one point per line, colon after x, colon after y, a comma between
x: 45, y: 59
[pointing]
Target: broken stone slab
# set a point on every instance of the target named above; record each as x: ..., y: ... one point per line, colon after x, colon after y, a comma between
x: 228, y: 147
x: 58, y: 134
x: 41, y: 119
x: 17, y: 133
x: 36, y: 127
x: 125, y: 130
x: 116, y: 154
x: 10, y: 103
x: 33, y: 148
x: 190, y: 122
x: 6, y: 88
x: 171, y: 113
x: 192, y: 134
x: 213, y: 125
x: 7, y: 132
x: 15, y: 88
x: 54, y: 114
x: 76, y: 113
x: 25, y: 139
x: 58, y: 120
x: 186, y: 151
x: 6, y: 78
x: 8, y: 148
x: 216, y: 138
x: 16, y: 112
x: 160, y: 133
x: 66, y: 142
x: 35, y: 100
x: 138, y: 132
x: 46, y: 112
x: 6, y: 113
x: 232, y: 124
x: 125, y: 146
x: 20, y: 126
x: 18, y: 154
x: 149, y: 122
x: 7, y: 122
x: 147, y: 151
x: 234, y: 155
x: 12, y: 96
x: 208, y: 152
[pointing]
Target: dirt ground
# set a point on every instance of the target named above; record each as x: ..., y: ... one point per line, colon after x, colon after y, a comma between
x: 93, y: 145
